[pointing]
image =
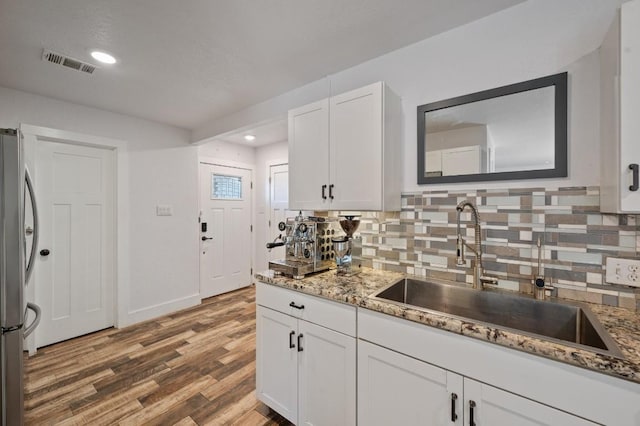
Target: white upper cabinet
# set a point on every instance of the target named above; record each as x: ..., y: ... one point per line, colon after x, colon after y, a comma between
x: 355, y: 149
x: 344, y: 152
x: 309, y: 157
x: 620, y: 103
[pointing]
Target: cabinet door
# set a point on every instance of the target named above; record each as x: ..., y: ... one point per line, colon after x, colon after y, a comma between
x: 276, y: 362
x: 394, y: 389
x: 629, y: 103
x: 327, y: 376
x: 356, y: 149
x: 309, y: 156
x: 492, y: 406
x: 461, y: 161
x: 433, y: 163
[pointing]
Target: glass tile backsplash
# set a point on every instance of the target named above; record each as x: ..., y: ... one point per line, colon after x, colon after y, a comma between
x: 576, y: 239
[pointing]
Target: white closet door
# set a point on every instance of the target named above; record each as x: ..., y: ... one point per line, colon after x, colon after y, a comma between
x: 75, y: 280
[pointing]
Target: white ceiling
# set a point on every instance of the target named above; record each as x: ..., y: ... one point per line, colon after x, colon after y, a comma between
x: 187, y: 62
x: 266, y: 134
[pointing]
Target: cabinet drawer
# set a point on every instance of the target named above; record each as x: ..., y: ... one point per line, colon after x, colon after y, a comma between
x: 333, y: 315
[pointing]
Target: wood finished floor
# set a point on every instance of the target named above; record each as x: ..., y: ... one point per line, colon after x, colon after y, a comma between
x: 196, y: 366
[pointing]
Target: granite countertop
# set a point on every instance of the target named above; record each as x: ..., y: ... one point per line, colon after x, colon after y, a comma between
x: 622, y: 324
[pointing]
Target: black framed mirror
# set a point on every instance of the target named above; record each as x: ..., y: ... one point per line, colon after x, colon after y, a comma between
x: 517, y: 131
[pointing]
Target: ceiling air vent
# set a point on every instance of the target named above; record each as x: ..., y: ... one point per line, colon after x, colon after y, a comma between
x: 59, y: 59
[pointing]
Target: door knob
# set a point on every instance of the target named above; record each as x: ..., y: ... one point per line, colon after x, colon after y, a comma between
x: 44, y: 252
x: 206, y: 238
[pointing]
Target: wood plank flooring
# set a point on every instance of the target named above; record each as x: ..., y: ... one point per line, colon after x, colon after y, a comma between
x: 194, y: 367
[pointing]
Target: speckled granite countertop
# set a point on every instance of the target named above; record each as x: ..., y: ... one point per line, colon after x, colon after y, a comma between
x: 622, y: 325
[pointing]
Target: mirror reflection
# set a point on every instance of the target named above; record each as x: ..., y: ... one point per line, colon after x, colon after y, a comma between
x: 513, y: 132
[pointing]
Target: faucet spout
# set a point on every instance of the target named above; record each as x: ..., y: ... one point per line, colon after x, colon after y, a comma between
x: 460, y: 243
x: 478, y: 272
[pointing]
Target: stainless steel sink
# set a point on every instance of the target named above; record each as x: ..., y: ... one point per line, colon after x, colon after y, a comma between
x: 569, y: 323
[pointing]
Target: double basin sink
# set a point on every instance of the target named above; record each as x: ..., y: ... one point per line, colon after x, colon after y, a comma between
x: 572, y: 324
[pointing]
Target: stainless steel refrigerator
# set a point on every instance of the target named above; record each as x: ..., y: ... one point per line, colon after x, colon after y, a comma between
x: 15, y: 268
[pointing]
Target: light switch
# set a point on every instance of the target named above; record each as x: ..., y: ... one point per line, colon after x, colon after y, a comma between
x: 164, y: 210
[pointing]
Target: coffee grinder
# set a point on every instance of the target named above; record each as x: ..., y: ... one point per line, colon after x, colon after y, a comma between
x: 342, y: 246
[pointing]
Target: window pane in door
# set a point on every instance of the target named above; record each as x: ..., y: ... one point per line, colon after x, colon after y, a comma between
x: 225, y: 187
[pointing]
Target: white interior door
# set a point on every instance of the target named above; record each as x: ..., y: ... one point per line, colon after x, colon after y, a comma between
x: 225, y: 246
x: 279, y: 202
x: 75, y: 279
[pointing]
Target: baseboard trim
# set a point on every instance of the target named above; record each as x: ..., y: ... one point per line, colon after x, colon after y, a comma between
x: 161, y: 309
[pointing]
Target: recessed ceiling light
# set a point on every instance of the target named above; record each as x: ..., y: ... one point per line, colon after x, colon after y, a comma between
x: 249, y: 138
x: 103, y: 57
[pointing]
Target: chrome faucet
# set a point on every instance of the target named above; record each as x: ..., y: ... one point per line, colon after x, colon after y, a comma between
x: 540, y: 287
x: 479, y: 279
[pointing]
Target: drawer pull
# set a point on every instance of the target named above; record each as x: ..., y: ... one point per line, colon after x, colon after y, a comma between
x: 454, y: 416
x: 300, y: 342
x: 472, y: 406
x: 291, y: 344
x: 293, y: 305
x: 634, y: 168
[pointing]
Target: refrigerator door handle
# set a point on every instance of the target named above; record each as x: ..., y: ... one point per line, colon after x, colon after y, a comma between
x: 36, y: 229
x: 36, y: 309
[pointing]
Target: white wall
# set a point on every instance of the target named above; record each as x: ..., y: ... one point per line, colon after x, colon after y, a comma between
x: 227, y: 152
x: 265, y: 156
x: 163, y: 260
x: 529, y: 40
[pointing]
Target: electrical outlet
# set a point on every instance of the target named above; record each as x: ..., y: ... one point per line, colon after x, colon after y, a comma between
x: 623, y: 271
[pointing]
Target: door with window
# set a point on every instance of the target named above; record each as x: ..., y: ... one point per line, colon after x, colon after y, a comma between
x: 225, y: 229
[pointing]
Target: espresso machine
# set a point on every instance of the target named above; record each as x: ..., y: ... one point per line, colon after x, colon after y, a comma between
x: 308, y: 246
x: 346, y: 247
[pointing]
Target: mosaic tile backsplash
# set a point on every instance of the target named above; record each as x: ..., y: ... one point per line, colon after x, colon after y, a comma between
x: 576, y: 240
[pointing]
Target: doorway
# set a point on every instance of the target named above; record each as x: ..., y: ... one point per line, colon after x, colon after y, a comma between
x: 75, y: 187
x: 225, y: 228
x: 278, y: 206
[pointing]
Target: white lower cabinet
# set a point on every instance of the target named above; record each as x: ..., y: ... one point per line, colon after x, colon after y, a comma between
x: 307, y: 367
x: 277, y: 362
x: 486, y: 405
x: 305, y: 371
x: 397, y: 389
x: 326, y: 377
